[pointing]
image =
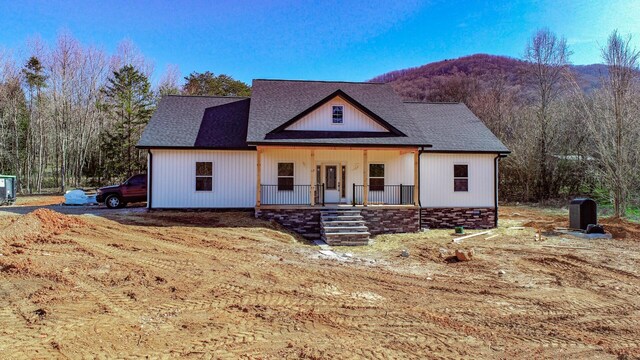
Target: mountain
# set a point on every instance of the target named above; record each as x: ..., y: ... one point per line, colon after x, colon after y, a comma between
x: 454, y: 80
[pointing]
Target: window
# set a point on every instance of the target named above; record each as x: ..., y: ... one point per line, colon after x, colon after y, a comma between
x: 376, y: 177
x: 204, y: 176
x: 337, y: 111
x: 331, y: 177
x: 137, y: 180
x: 460, y: 177
x: 285, y: 176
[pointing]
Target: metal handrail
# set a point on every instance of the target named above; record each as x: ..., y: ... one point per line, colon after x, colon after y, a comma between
x: 387, y: 194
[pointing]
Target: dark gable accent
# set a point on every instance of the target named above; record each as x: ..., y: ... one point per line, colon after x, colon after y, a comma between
x: 198, y: 122
x: 224, y: 126
x: 350, y: 100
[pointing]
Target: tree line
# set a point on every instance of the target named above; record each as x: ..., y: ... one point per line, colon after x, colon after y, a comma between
x: 567, y: 138
x: 567, y: 141
x: 70, y: 114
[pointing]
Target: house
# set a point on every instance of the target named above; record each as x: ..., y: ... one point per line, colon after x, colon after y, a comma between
x: 344, y: 160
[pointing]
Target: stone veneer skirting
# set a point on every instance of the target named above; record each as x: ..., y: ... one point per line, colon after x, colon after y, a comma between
x: 306, y: 221
x: 447, y: 218
x: 391, y: 221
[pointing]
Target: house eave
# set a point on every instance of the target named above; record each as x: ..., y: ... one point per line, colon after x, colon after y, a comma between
x: 336, y: 145
x: 245, y: 148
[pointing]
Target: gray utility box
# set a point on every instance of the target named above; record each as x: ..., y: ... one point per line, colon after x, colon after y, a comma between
x: 582, y: 212
x: 7, y: 189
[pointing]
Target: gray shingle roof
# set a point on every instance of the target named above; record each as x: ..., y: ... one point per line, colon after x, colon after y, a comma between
x: 453, y: 127
x: 238, y: 123
x: 275, y: 102
x: 198, y: 121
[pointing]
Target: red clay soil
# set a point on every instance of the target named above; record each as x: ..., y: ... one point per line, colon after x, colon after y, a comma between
x: 39, y: 224
x: 226, y: 285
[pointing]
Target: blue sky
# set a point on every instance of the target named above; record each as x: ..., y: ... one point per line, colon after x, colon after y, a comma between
x: 325, y: 40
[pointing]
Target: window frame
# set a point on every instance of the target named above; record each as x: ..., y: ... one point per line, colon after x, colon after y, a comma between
x: 143, y: 178
x: 293, y: 176
x: 203, y: 177
x: 460, y: 177
x: 333, y: 122
x: 383, y: 177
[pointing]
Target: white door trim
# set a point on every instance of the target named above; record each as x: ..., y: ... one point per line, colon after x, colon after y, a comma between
x: 331, y: 196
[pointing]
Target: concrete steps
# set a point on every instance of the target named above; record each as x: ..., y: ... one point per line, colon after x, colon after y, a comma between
x: 343, y: 227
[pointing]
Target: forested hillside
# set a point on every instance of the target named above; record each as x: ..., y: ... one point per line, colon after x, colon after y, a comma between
x: 71, y: 114
x: 572, y: 129
x: 426, y: 82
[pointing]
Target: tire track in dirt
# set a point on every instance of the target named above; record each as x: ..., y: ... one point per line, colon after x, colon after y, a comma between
x: 21, y: 342
x: 143, y: 260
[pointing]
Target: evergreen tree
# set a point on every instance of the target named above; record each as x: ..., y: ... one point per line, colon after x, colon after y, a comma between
x: 209, y: 84
x: 36, y: 80
x: 129, y: 105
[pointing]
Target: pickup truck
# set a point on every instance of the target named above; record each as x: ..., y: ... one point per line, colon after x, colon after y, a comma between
x: 134, y: 189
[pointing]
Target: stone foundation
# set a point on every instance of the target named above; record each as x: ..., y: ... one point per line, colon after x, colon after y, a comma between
x: 448, y: 218
x: 305, y: 222
x: 391, y: 221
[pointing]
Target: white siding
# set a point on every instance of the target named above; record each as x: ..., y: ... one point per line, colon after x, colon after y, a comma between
x: 436, y: 180
x: 321, y: 119
x: 173, y: 182
x: 398, y: 169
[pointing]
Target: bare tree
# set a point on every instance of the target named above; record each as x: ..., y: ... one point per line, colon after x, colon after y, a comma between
x: 612, y: 116
x: 548, y: 58
x: 170, y: 81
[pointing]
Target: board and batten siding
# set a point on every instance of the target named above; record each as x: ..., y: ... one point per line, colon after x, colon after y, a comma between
x: 174, y: 173
x: 321, y: 119
x: 436, y: 180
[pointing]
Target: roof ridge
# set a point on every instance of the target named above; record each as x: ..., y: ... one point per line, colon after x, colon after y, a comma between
x: 324, y: 81
x: 209, y: 96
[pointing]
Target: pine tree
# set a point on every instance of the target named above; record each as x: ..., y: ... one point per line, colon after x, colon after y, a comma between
x: 129, y: 104
x: 209, y: 84
x: 36, y: 80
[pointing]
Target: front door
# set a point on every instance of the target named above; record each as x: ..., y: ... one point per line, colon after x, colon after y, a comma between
x: 332, y: 192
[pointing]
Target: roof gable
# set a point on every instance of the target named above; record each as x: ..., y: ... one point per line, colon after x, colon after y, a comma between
x: 356, y: 117
x: 277, y: 104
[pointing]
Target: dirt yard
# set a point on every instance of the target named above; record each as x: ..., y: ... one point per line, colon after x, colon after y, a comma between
x: 224, y: 285
x: 39, y: 200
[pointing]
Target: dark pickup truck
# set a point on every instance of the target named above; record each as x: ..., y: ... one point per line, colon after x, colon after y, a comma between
x: 134, y: 189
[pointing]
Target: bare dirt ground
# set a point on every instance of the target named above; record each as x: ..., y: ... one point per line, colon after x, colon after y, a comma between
x: 224, y: 285
x: 39, y: 200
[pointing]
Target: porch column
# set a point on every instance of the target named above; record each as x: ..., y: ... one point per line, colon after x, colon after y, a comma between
x: 365, y: 177
x: 416, y: 177
x: 312, y: 164
x: 258, y: 176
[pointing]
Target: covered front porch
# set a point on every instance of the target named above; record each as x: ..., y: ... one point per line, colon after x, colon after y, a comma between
x: 336, y: 176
